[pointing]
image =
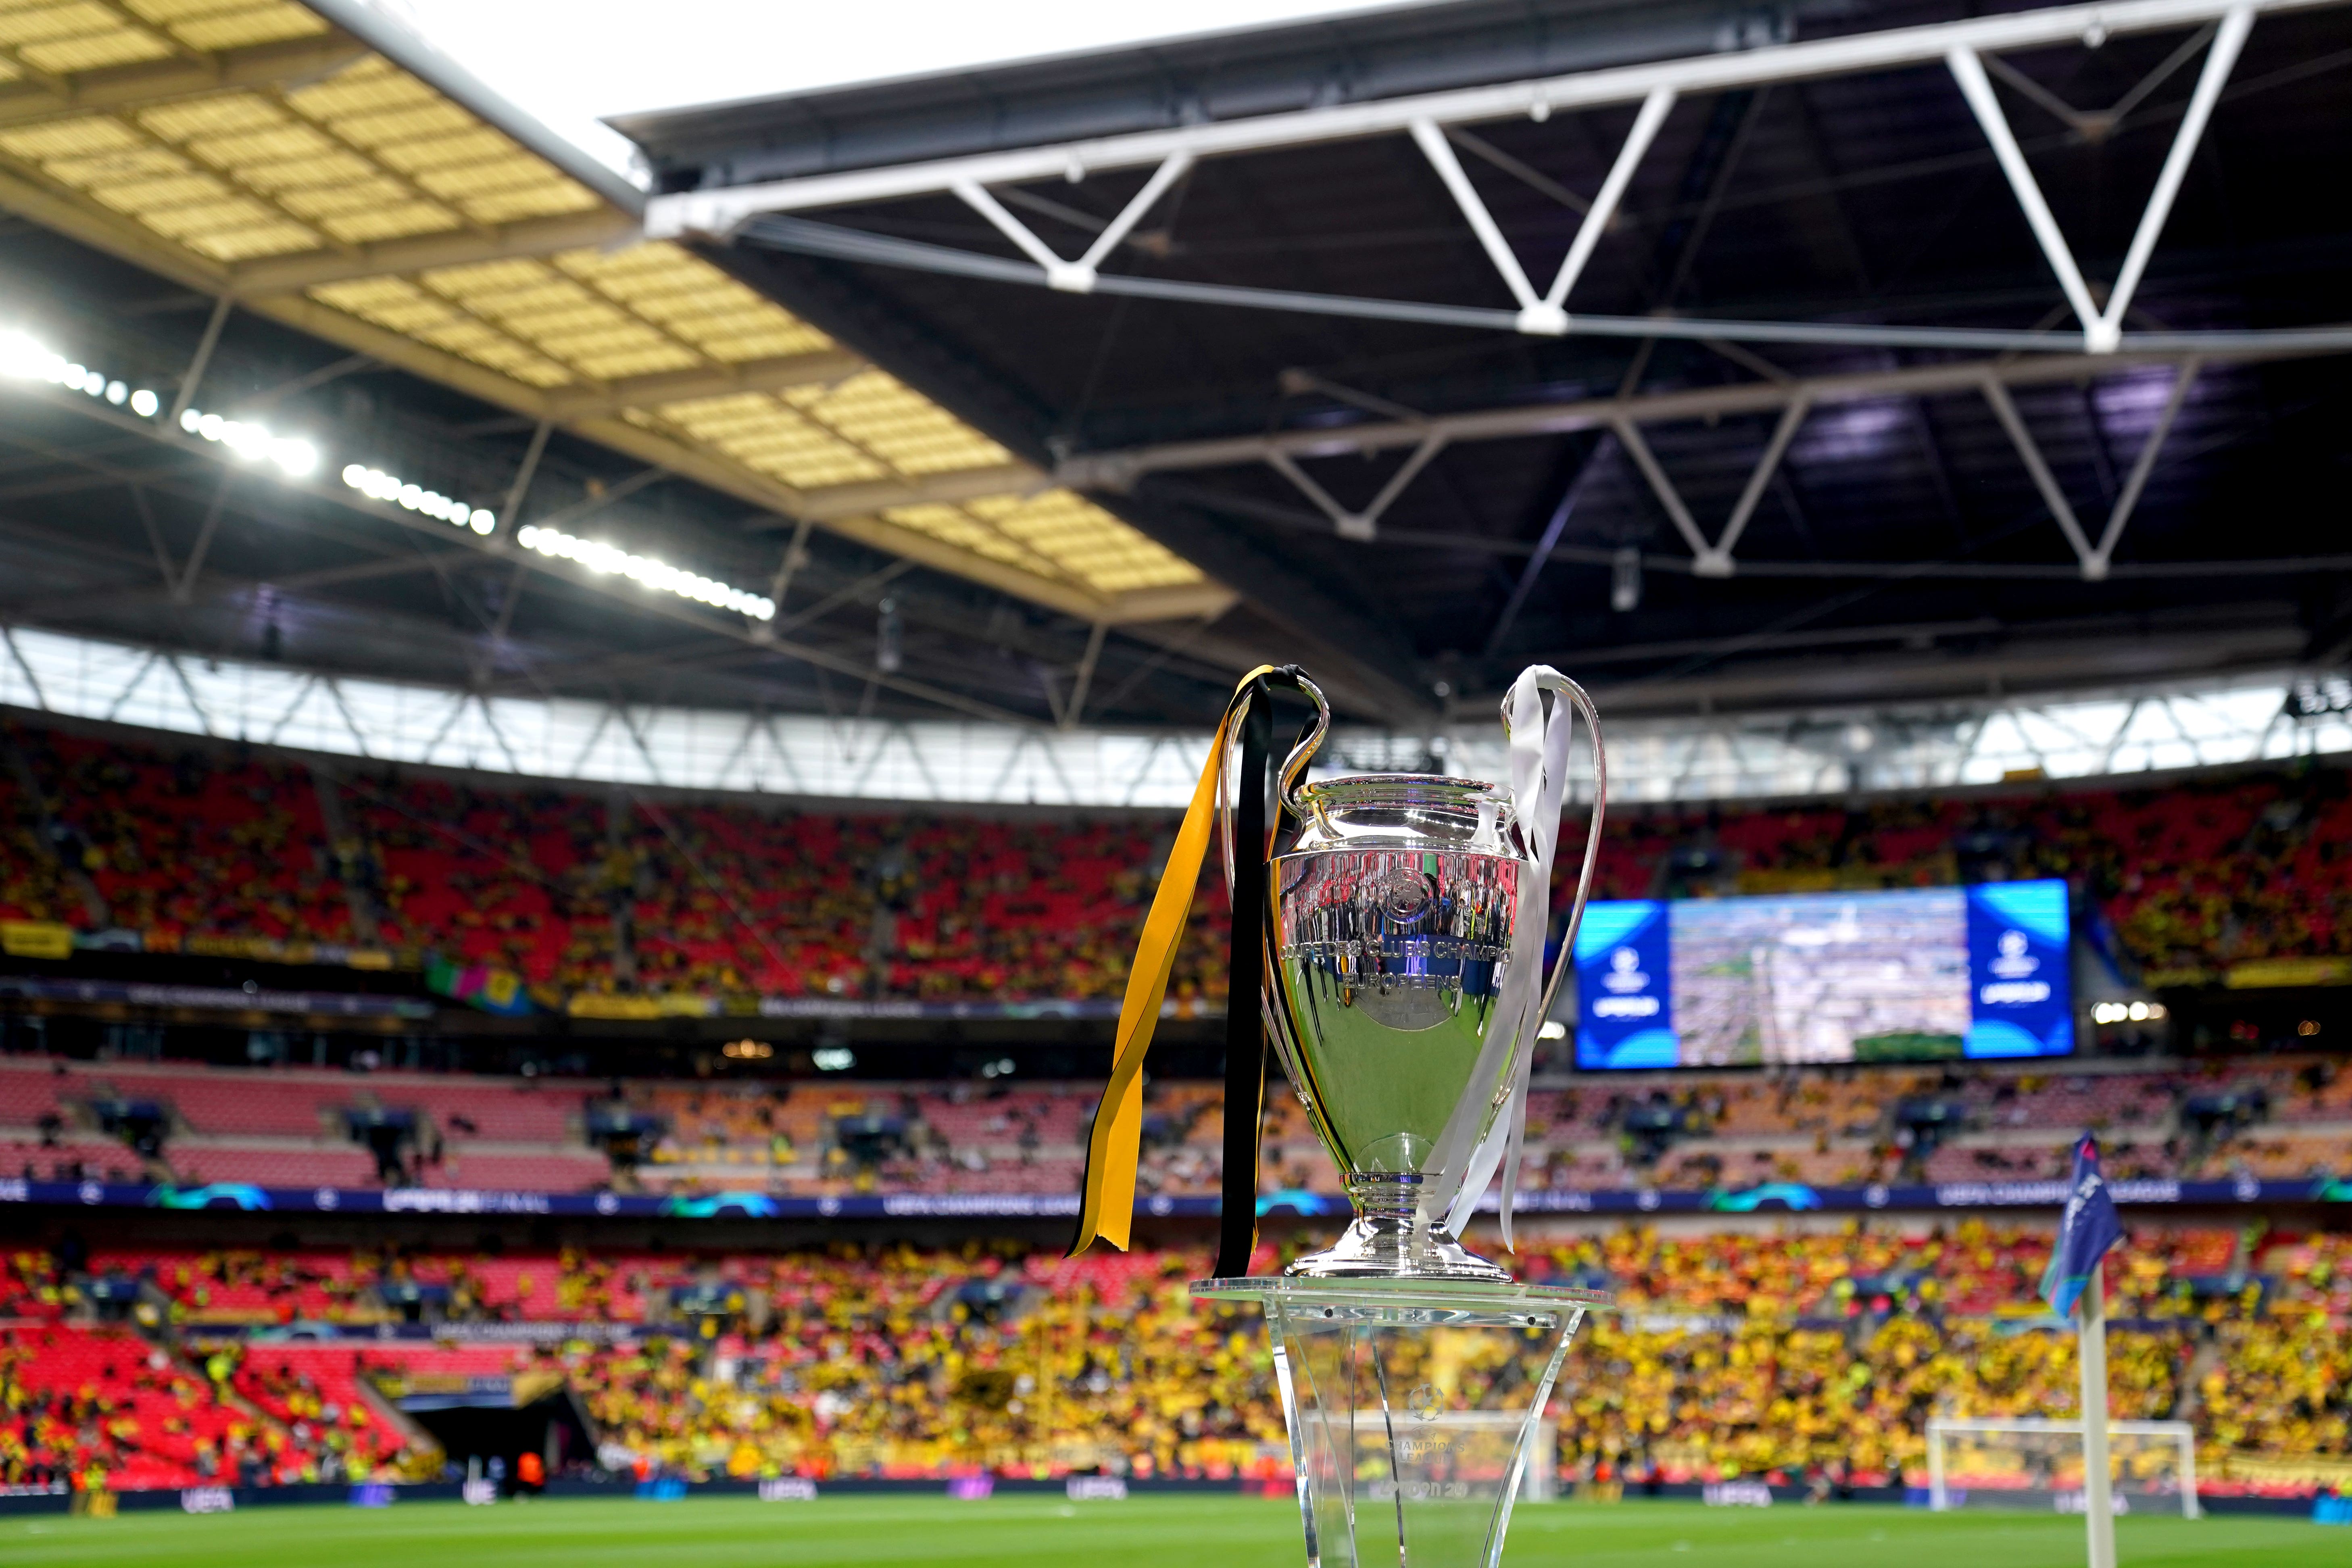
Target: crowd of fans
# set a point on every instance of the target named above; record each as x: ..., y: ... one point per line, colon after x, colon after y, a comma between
x: 593, y: 893
x: 1739, y: 1353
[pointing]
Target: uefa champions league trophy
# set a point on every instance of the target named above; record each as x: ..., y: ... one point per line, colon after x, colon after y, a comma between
x: 1408, y: 923
x: 1401, y: 936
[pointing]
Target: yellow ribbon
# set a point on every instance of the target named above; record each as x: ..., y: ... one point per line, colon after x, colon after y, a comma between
x: 1106, y: 1208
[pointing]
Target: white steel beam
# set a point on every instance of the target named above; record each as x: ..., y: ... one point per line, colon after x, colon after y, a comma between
x: 2227, y: 42
x: 1655, y: 109
x: 1440, y: 153
x: 2143, y: 466
x: 2053, y: 495
x: 1969, y: 72
x: 1766, y: 466
x: 1365, y: 525
x: 1116, y: 471
x: 2103, y: 328
x: 1714, y: 560
x: 1629, y: 433
x: 1075, y: 277
x: 720, y: 212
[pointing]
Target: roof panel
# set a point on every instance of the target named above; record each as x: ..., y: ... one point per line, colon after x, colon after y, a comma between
x: 241, y: 27
x: 225, y: 114
x: 389, y: 222
x: 280, y: 162
x: 70, y: 55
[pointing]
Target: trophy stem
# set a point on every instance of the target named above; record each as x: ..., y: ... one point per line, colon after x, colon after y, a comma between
x: 1392, y: 1237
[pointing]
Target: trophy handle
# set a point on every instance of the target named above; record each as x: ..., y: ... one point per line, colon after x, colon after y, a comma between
x: 1294, y: 767
x: 1566, y: 691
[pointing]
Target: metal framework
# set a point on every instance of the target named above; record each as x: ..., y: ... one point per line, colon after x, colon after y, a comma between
x: 982, y: 764
x: 1969, y: 51
x: 1793, y: 399
x: 299, y: 288
x: 1963, y: 48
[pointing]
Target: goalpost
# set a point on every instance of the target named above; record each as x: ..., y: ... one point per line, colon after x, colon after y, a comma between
x: 2022, y: 1462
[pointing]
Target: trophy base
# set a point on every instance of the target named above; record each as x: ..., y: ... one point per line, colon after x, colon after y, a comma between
x: 1415, y: 1409
x: 1391, y: 1240
x: 1367, y: 1251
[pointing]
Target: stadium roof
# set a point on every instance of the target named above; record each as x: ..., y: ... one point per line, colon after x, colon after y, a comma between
x: 1899, y: 349
x: 1826, y: 425
x: 318, y: 165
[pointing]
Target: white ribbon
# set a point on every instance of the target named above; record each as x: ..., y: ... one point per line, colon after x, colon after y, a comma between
x: 1539, y: 768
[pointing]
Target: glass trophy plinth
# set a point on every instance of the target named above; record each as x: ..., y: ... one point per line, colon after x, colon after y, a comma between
x: 1415, y: 1408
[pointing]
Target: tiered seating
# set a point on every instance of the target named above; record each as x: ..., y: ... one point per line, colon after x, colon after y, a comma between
x: 245, y: 1287
x: 556, y: 1171
x: 2074, y: 1101
x: 74, y: 1156
x: 307, y: 1387
x: 175, y: 844
x: 246, y: 1103
x: 718, y: 898
x: 141, y: 1417
x: 316, y: 1166
x: 1846, y: 1341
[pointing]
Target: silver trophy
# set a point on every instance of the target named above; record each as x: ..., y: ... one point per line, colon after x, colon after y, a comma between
x: 1407, y: 924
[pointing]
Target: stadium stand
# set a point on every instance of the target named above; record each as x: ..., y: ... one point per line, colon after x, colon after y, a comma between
x: 581, y: 895
x: 1842, y: 1126
x: 1749, y: 1352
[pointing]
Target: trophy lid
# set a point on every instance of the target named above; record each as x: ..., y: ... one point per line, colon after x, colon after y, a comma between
x: 1408, y: 810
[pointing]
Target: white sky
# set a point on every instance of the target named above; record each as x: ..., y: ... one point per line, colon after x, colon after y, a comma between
x: 569, y: 64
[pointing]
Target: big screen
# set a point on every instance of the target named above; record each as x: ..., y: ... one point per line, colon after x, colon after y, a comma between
x: 1907, y: 975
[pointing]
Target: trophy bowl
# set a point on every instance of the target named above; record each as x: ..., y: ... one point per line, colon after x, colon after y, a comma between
x: 1392, y: 920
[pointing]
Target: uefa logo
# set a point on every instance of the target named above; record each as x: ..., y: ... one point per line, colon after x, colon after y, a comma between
x: 2012, y: 957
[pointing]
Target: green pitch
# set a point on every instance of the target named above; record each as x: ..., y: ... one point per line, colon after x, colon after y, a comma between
x: 1043, y: 1531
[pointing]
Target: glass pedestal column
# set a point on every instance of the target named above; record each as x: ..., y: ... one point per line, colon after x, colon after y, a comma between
x: 1415, y: 1409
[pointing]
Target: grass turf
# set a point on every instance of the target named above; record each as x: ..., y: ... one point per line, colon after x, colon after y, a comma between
x: 1142, y: 1533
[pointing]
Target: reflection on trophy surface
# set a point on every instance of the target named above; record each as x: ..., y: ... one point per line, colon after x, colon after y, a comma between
x: 1393, y: 918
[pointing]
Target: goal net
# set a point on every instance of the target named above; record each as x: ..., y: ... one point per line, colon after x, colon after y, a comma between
x: 2016, y: 1462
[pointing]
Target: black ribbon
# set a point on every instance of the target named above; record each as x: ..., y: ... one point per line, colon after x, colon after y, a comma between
x: 1248, y: 966
x: 1246, y: 992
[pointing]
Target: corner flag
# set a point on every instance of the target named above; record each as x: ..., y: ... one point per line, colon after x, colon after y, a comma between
x: 2089, y: 1228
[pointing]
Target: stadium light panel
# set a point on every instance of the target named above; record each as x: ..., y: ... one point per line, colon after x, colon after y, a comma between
x: 598, y: 556
x: 24, y: 357
x: 253, y: 443
x: 377, y: 485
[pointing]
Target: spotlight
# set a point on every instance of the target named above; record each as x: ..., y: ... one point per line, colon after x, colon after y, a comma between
x: 597, y: 556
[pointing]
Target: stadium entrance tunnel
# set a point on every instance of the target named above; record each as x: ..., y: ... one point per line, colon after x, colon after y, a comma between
x: 475, y: 1426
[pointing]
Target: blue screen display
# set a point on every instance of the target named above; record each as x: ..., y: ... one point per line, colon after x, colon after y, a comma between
x: 1625, y: 1007
x: 1907, y: 975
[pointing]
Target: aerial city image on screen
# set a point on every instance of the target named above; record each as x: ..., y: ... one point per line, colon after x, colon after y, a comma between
x: 1822, y: 977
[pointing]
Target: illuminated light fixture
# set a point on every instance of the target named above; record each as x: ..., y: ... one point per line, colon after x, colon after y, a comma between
x: 297, y: 457
x: 1552, y: 1029
x: 747, y: 1050
x: 833, y: 1058
x: 22, y: 358
x: 377, y: 485
x: 644, y: 569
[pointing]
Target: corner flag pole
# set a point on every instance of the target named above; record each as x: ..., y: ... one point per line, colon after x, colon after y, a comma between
x: 2076, y: 1285
x: 2098, y: 1500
